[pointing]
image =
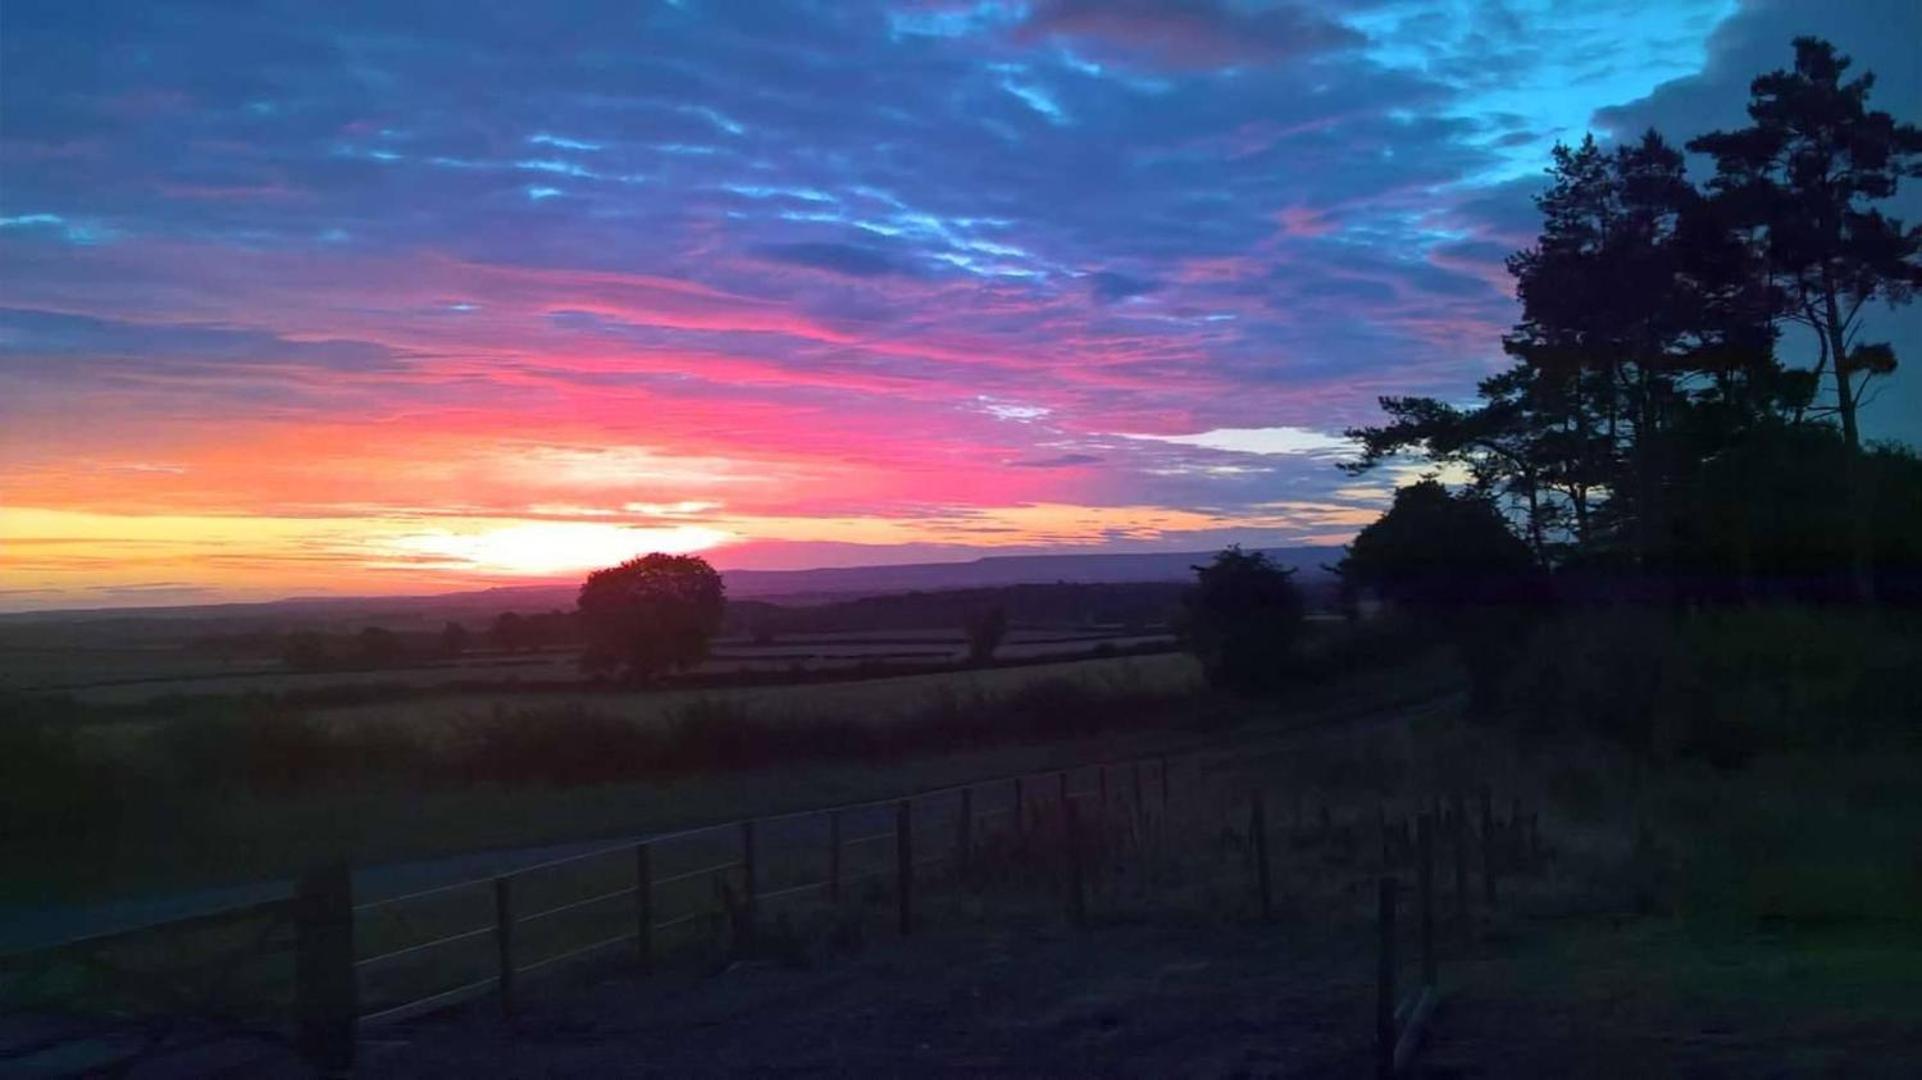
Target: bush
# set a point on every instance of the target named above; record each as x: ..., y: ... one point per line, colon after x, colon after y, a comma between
x: 258, y: 746
x: 1243, y: 617
x: 1723, y: 686
x: 53, y: 792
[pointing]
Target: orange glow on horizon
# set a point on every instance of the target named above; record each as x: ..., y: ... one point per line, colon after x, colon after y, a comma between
x: 78, y: 558
x: 542, y: 548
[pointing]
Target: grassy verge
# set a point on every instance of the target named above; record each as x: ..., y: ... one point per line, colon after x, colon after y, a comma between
x: 168, y: 826
x: 1609, y: 998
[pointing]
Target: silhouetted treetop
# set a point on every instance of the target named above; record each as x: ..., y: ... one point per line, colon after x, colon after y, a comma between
x: 1437, y: 551
x: 650, y: 615
x: 1800, y: 180
x: 1646, y: 356
x: 1242, y: 618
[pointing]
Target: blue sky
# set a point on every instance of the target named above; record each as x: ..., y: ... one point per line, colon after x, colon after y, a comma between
x: 806, y: 283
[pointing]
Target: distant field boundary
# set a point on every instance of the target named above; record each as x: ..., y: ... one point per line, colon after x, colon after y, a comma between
x: 375, y: 692
x: 729, y: 649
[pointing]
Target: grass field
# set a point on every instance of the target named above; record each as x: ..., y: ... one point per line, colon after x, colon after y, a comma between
x: 876, y: 700
x: 204, y: 838
x: 130, y: 676
x: 1767, y: 925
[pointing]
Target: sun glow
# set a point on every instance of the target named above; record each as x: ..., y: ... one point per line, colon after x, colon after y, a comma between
x: 539, y: 548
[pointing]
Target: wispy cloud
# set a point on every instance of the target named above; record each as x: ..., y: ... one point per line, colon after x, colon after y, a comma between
x: 854, y: 274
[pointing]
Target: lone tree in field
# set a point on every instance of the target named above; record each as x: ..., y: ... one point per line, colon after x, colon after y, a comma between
x: 649, y: 615
x: 1242, y: 618
x: 509, y: 632
x: 378, y: 646
x: 985, y: 629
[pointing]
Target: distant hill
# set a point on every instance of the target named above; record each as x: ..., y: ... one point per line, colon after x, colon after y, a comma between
x: 785, y: 586
x: 1141, y: 604
x: 996, y: 570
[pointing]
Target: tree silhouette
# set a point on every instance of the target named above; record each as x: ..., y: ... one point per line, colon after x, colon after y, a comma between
x: 305, y: 650
x: 378, y: 646
x: 453, y: 639
x: 1451, y: 561
x: 649, y: 615
x: 985, y: 629
x: 1575, y: 436
x: 509, y: 632
x: 1437, y: 552
x: 1801, y: 178
x: 1243, y: 616
x: 1646, y: 352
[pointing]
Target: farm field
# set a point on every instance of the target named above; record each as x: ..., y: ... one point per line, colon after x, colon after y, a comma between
x: 130, y: 676
x: 27, y: 667
x: 242, y: 836
x: 871, y: 700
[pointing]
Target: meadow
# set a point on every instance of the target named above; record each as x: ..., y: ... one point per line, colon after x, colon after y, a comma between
x: 138, y: 674
x: 1751, y: 885
x: 880, y: 699
x: 255, y: 789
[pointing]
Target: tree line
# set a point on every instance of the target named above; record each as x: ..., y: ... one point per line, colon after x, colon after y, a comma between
x: 1681, y: 417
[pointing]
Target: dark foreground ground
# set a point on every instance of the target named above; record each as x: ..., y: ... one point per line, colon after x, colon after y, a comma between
x: 1117, y: 1001
x: 1627, y: 999
x: 1598, y: 998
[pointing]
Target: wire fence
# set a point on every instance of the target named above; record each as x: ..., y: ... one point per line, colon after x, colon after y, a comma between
x: 316, y: 969
x: 427, y: 950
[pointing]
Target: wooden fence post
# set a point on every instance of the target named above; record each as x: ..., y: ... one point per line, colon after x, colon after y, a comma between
x: 904, y: 863
x: 1258, y: 832
x: 1164, y: 783
x: 504, y: 941
x: 964, y: 843
x: 1141, y: 808
x: 1425, y: 847
x: 834, y: 856
x: 326, y: 1003
x: 1488, y: 847
x: 1385, y: 980
x: 644, y: 904
x: 750, y: 881
x: 1460, y: 836
x: 1077, y: 886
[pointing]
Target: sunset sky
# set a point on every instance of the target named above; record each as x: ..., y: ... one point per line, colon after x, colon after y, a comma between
x: 400, y: 297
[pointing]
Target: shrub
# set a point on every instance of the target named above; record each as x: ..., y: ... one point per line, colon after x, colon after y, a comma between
x: 54, y: 792
x: 1242, y: 620
x: 263, y: 747
x: 1723, y: 686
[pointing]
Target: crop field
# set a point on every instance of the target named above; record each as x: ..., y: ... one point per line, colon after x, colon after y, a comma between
x: 878, y: 700
x: 29, y: 667
x: 123, y: 676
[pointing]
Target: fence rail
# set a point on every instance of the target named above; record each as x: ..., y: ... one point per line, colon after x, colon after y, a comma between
x: 336, y: 991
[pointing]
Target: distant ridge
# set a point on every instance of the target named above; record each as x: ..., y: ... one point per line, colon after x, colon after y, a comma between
x: 794, y: 586
x: 993, y: 570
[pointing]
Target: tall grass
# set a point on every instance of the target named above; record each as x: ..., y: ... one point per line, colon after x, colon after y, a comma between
x: 1724, y: 686
x: 1756, y: 766
x: 68, y: 787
